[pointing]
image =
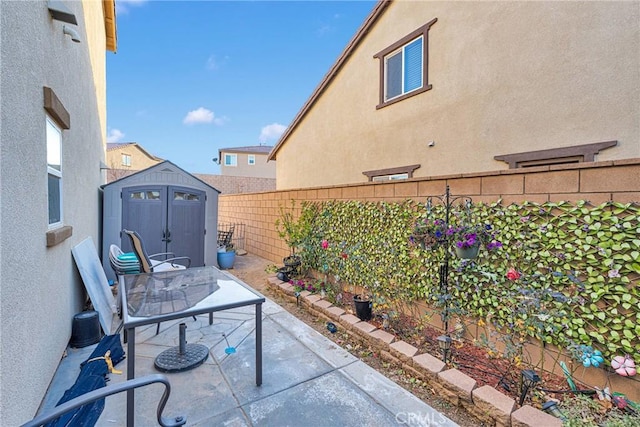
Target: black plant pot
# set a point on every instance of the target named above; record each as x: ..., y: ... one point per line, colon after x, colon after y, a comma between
x: 294, y: 263
x: 363, y: 307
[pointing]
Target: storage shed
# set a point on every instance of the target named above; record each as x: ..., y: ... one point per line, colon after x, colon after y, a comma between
x: 172, y: 210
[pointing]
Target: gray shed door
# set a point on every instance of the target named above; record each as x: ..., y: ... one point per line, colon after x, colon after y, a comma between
x: 168, y: 218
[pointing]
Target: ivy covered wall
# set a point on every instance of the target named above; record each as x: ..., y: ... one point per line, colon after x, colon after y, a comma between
x: 577, y: 265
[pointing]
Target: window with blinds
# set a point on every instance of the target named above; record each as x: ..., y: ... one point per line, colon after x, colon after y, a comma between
x: 404, y: 67
x: 403, y: 70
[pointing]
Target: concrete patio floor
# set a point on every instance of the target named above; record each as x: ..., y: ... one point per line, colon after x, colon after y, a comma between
x: 307, y: 379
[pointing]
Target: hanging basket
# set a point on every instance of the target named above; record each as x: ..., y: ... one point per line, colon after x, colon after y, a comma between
x: 467, y: 253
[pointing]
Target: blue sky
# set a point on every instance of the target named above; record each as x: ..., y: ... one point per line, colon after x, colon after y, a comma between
x: 191, y: 77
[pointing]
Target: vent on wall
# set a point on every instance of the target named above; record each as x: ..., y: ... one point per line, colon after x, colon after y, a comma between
x: 59, y: 12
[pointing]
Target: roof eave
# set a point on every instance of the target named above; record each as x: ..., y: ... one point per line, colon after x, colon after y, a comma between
x: 355, y: 41
x: 109, y: 8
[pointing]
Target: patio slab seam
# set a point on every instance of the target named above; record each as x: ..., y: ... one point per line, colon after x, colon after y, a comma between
x: 455, y: 386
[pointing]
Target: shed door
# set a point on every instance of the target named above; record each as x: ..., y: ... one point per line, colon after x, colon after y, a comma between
x: 169, y: 219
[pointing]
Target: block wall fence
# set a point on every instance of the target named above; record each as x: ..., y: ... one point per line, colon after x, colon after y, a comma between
x: 596, y: 182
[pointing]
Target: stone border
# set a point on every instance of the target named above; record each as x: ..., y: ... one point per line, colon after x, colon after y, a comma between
x: 485, y: 403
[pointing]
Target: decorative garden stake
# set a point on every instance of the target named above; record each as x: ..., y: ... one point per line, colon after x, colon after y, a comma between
x: 444, y: 342
x: 624, y: 365
x: 229, y: 349
x: 529, y: 379
x: 331, y: 327
x: 591, y: 357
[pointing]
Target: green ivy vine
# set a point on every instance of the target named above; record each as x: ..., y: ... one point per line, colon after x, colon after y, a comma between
x: 579, y: 263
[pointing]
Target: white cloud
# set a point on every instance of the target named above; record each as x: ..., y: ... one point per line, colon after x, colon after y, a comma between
x: 115, y: 135
x: 271, y: 132
x: 215, y: 63
x: 122, y: 6
x: 201, y: 115
x: 212, y: 64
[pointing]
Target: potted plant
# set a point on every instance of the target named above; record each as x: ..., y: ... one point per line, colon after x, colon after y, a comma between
x: 226, y: 256
x: 429, y: 233
x: 467, y: 239
x: 363, y: 305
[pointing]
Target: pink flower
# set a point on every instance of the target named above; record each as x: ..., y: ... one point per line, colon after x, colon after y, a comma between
x: 512, y: 274
x: 325, y: 244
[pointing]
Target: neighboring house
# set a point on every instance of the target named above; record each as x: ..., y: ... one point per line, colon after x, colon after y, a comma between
x: 238, y: 184
x: 440, y: 88
x: 246, y: 161
x: 125, y: 158
x: 52, y: 142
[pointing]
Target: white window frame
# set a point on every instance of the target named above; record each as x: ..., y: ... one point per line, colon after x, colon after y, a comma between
x: 230, y: 159
x: 54, y: 157
x: 126, y: 159
x: 251, y: 159
x: 402, y: 53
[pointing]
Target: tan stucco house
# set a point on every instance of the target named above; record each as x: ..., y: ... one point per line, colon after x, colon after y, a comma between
x: 52, y: 142
x: 436, y: 88
x: 250, y: 161
x: 125, y: 158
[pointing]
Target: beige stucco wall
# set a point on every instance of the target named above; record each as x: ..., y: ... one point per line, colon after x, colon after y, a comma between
x: 96, y: 42
x: 40, y: 286
x: 262, y: 168
x: 139, y: 159
x: 507, y: 77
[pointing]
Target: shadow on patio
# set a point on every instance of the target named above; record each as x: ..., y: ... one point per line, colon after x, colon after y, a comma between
x: 307, y: 379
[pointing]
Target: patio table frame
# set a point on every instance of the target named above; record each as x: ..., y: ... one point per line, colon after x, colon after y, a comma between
x: 134, y: 282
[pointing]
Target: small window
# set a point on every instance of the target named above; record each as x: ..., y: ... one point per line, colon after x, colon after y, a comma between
x: 404, y: 67
x: 395, y: 177
x: 391, y: 174
x: 556, y: 156
x: 252, y: 159
x: 145, y: 195
x: 230, y: 159
x: 189, y: 197
x: 126, y: 160
x: 54, y: 172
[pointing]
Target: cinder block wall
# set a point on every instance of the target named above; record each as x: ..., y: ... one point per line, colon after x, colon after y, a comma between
x: 596, y: 182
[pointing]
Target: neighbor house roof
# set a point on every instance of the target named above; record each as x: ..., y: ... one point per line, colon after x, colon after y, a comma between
x: 369, y: 21
x: 117, y: 145
x: 257, y: 149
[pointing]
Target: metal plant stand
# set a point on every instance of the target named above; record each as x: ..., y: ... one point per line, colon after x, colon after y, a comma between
x: 443, y: 271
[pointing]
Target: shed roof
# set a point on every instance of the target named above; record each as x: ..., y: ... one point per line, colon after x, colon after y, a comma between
x: 158, y: 167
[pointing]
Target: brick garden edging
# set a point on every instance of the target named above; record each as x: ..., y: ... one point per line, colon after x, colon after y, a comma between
x: 485, y: 403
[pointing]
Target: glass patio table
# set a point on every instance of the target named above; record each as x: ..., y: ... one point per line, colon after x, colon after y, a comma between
x: 150, y: 298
